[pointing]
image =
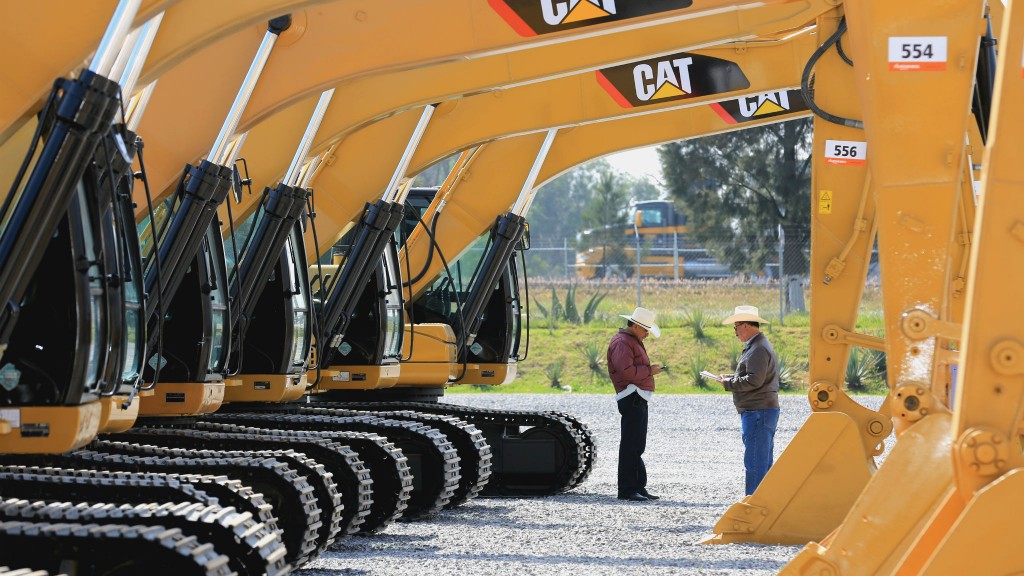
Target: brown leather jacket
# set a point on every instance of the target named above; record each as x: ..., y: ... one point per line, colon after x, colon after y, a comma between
x: 628, y: 362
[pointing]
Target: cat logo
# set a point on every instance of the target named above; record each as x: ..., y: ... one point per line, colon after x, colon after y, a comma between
x: 533, y: 17
x: 556, y: 13
x: 761, y: 106
x: 675, y: 77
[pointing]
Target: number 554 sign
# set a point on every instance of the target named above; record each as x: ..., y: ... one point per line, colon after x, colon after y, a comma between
x: 917, y: 53
x: 846, y: 152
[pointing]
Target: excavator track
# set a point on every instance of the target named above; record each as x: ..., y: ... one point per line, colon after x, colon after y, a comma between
x: 474, y: 451
x: 324, y: 489
x: 589, y: 443
x: 389, y: 469
x: 102, y: 549
x: 340, y: 461
x: 5, y: 571
x: 273, y: 474
x: 236, y: 535
x: 254, y: 547
x: 433, y: 460
x: 534, y: 453
x: 133, y: 487
x: 290, y: 495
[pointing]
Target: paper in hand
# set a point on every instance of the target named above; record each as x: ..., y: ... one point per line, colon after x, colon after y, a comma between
x: 707, y: 374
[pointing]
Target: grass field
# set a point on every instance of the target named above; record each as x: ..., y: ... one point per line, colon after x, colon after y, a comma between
x: 563, y: 355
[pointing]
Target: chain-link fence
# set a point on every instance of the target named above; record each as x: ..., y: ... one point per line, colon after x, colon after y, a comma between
x: 679, y: 258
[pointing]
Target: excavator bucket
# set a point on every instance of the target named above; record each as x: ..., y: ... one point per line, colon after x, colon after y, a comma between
x: 808, y: 491
x: 972, y: 546
x: 882, y: 523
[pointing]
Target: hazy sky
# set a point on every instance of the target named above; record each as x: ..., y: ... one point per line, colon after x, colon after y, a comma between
x: 638, y: 162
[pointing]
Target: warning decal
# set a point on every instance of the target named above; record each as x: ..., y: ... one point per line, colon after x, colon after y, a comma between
x: 825, y: 202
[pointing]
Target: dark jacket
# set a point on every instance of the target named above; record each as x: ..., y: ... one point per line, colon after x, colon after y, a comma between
x: 628, y: 362
x: 755, y: 386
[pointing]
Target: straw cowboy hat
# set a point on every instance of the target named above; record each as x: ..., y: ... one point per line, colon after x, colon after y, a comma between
x: 645, y: 318
x: 745, y: 314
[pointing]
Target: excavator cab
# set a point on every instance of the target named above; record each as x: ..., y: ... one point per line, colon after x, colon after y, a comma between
x: 367, y: 353
x: 491, y: 357
x: 189, y: 320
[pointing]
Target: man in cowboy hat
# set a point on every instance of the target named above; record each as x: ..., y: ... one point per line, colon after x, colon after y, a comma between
x: 755, y: 392
x: 632, y: 375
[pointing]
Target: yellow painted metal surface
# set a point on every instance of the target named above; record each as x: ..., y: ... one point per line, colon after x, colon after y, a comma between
x: 183, y: 399
x: 984, y: 503
x: 495, y: 178
x: 808, y: 490
x: 914, y: 65
x: 359, y: 166
x: 433, y: 361
x: 49, y: 429
x: 355, y: 377
x: 73, y: 29
x: 418, y: 72
x: 114, y: 416
x: 880, y: 525
x: 266, y: 388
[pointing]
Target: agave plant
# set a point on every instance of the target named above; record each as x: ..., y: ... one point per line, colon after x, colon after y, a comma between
x: 591, y: 309
x: 697, y: 365
x: 696, y: 320
x: 554, y: 374
x: 572, y: 314
x: 861, y: 368
x: 735, y: 351
x: 788, y: 368
x: 594, y: 355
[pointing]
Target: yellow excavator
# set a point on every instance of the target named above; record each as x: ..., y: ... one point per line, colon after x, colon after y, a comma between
x: 957, y: 444
x: 348, y: 371
x: 180, y: 248
x: 310, y: 537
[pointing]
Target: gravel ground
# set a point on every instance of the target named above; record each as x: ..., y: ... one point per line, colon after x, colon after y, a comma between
x: 694, y: 461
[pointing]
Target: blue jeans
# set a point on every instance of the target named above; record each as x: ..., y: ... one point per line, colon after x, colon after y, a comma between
x: 758, y: 443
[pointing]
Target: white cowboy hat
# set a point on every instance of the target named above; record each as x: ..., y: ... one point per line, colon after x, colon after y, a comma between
x: 645, y: 318
x: 744, y: 314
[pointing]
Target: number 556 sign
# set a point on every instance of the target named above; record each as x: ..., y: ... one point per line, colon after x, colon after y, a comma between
x: 846, y: 152
x: 917, y: 53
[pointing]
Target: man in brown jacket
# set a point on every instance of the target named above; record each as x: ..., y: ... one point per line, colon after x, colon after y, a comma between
x: 632, y: 375
x: 755, y: 392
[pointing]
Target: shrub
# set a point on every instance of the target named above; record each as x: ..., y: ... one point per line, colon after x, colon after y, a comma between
x: 591, y: 309
x: 735, y: 351
x: 572, y: 314
x: 861, y: 369
x: 788, y: 368
x: 697, y: 365
x: 554, y: 373
x: 594, y: 354
x: 696, y: 320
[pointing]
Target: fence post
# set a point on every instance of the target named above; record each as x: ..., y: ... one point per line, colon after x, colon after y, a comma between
x: 636, y: 233
x: 565, y: 257
x: 782, y: 285
x: 675, y: 254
